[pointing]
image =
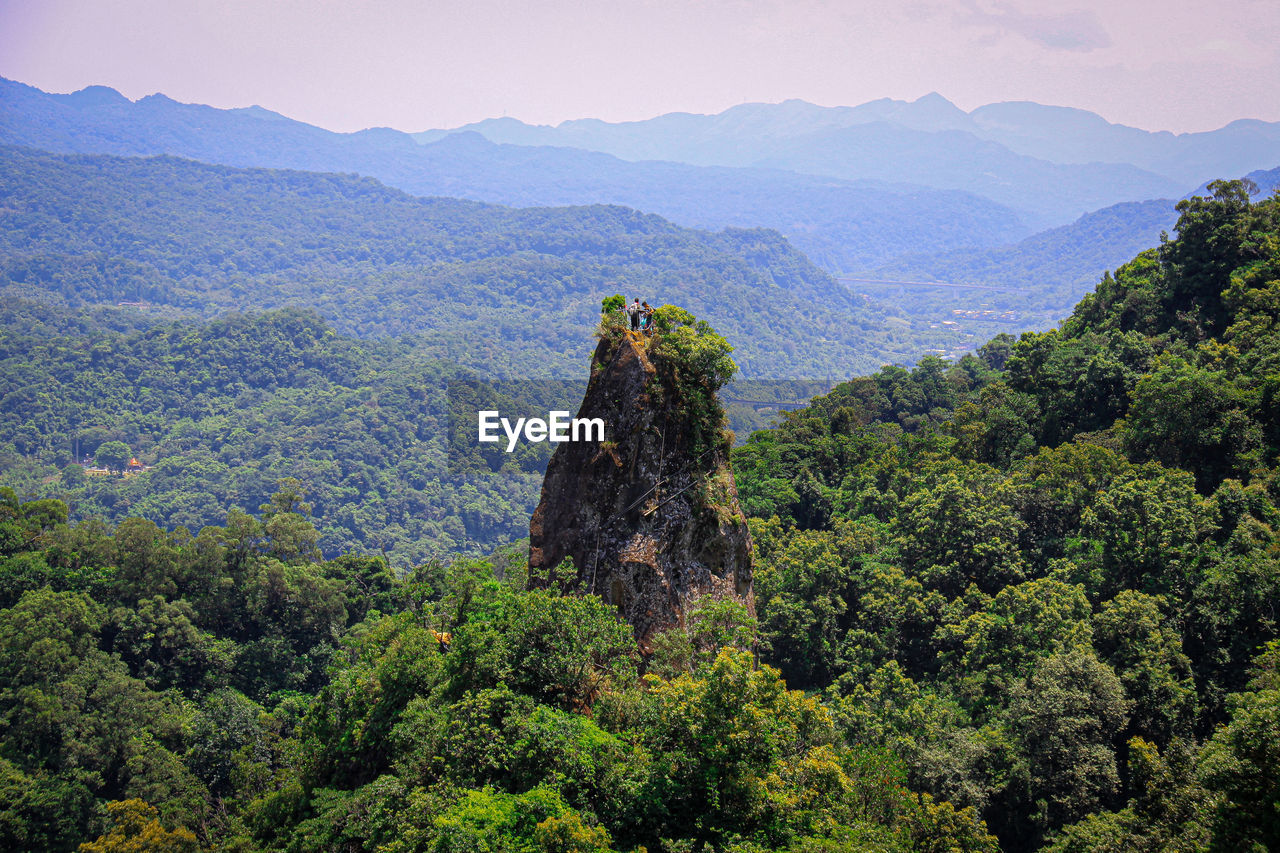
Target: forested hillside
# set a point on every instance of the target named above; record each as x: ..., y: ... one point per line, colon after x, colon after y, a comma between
x: 1031, y: 593
x: 511, y: 292
x: 1045, y: 577
x: 216, y: 413
x: 1039, y: 274
x: 220, y: 412
x: 230, y: 692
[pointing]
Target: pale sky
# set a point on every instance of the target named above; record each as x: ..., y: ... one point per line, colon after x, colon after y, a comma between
x: 1183, y: 65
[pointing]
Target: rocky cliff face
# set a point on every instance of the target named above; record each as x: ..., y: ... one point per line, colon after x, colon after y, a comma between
x: 650, y: 515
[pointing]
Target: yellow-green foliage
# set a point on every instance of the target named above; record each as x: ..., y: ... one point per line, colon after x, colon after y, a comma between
x: 135, y: 828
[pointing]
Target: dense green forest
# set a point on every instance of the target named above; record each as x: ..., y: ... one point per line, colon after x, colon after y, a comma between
x: 221, y: 411
x: 1025, y: 600
x: 512, y: 293
x: 229, y: 691
x: 1045, y: 577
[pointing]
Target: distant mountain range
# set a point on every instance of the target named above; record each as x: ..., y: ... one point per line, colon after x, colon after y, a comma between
x: 841, y: 224
x: 1009, y: 195
x: 754, y: 134
x: 921, y: 143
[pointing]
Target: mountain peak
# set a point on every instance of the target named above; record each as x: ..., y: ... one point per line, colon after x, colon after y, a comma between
x: 932, y: 99
x: 259, y: 112
x: 936, y: 106
x: 94, y: 96
x: 461, y: 140
x: 160, y: 99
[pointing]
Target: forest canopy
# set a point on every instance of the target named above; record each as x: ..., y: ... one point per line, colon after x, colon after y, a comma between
x: 219, y: 412
x: 1045, y: 576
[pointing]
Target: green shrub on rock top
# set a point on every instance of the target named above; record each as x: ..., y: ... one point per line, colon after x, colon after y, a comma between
x: 695, y: 349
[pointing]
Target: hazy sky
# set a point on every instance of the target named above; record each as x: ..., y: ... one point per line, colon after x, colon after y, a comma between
x: 1180, y: 65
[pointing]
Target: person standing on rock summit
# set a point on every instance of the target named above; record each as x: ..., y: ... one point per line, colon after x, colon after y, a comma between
x: 633, y: 310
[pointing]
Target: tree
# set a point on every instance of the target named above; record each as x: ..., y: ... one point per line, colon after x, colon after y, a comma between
x: 135, y: 825
x: 960, y: 528
x: 713, y: 737
x: 561, y: 650
x: 806, y: 592
x: 1240, y: 762
x: 537, y: 820
x: 40, y: 811
x: 286, y: 521
x: 1141, y: 533
x: 710, y: 624
x: 1195, y: 419
x: 1000, y: 644
x: 699, y: 354
x: 160, y: 641
x: 1133, y: 635
x: 113, y: 455
x: 1167, y: 813
x: 23, y: 524
x: 1065, y: 717
x: 1212, y: 243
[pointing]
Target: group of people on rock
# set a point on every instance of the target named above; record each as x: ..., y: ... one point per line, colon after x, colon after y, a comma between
x: 641, y: 316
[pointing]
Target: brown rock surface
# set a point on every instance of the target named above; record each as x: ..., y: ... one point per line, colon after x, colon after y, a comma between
x: 650, y: 516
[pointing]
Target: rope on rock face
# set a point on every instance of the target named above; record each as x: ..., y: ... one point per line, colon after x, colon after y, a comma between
x: 653, y: 488
x: 662, y: 457
x: 670, y: 499
x: 596, y: 562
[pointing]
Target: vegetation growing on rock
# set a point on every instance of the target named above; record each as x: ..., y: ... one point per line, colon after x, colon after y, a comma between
x: 649, y: 515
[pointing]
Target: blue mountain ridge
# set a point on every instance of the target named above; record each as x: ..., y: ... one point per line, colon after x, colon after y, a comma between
x: 841, y: 224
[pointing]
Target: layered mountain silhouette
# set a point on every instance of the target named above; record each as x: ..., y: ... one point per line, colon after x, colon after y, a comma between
x: 1007, y: 194
x: 841, y: 224
x: 750, y: 134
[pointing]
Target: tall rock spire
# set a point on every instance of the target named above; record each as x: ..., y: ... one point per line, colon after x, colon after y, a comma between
x: 650, y: 515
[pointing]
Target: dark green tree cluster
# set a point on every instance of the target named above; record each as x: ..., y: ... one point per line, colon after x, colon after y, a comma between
x: 234, y: 691
x: 135, y: 663
x: 1045, y: 577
